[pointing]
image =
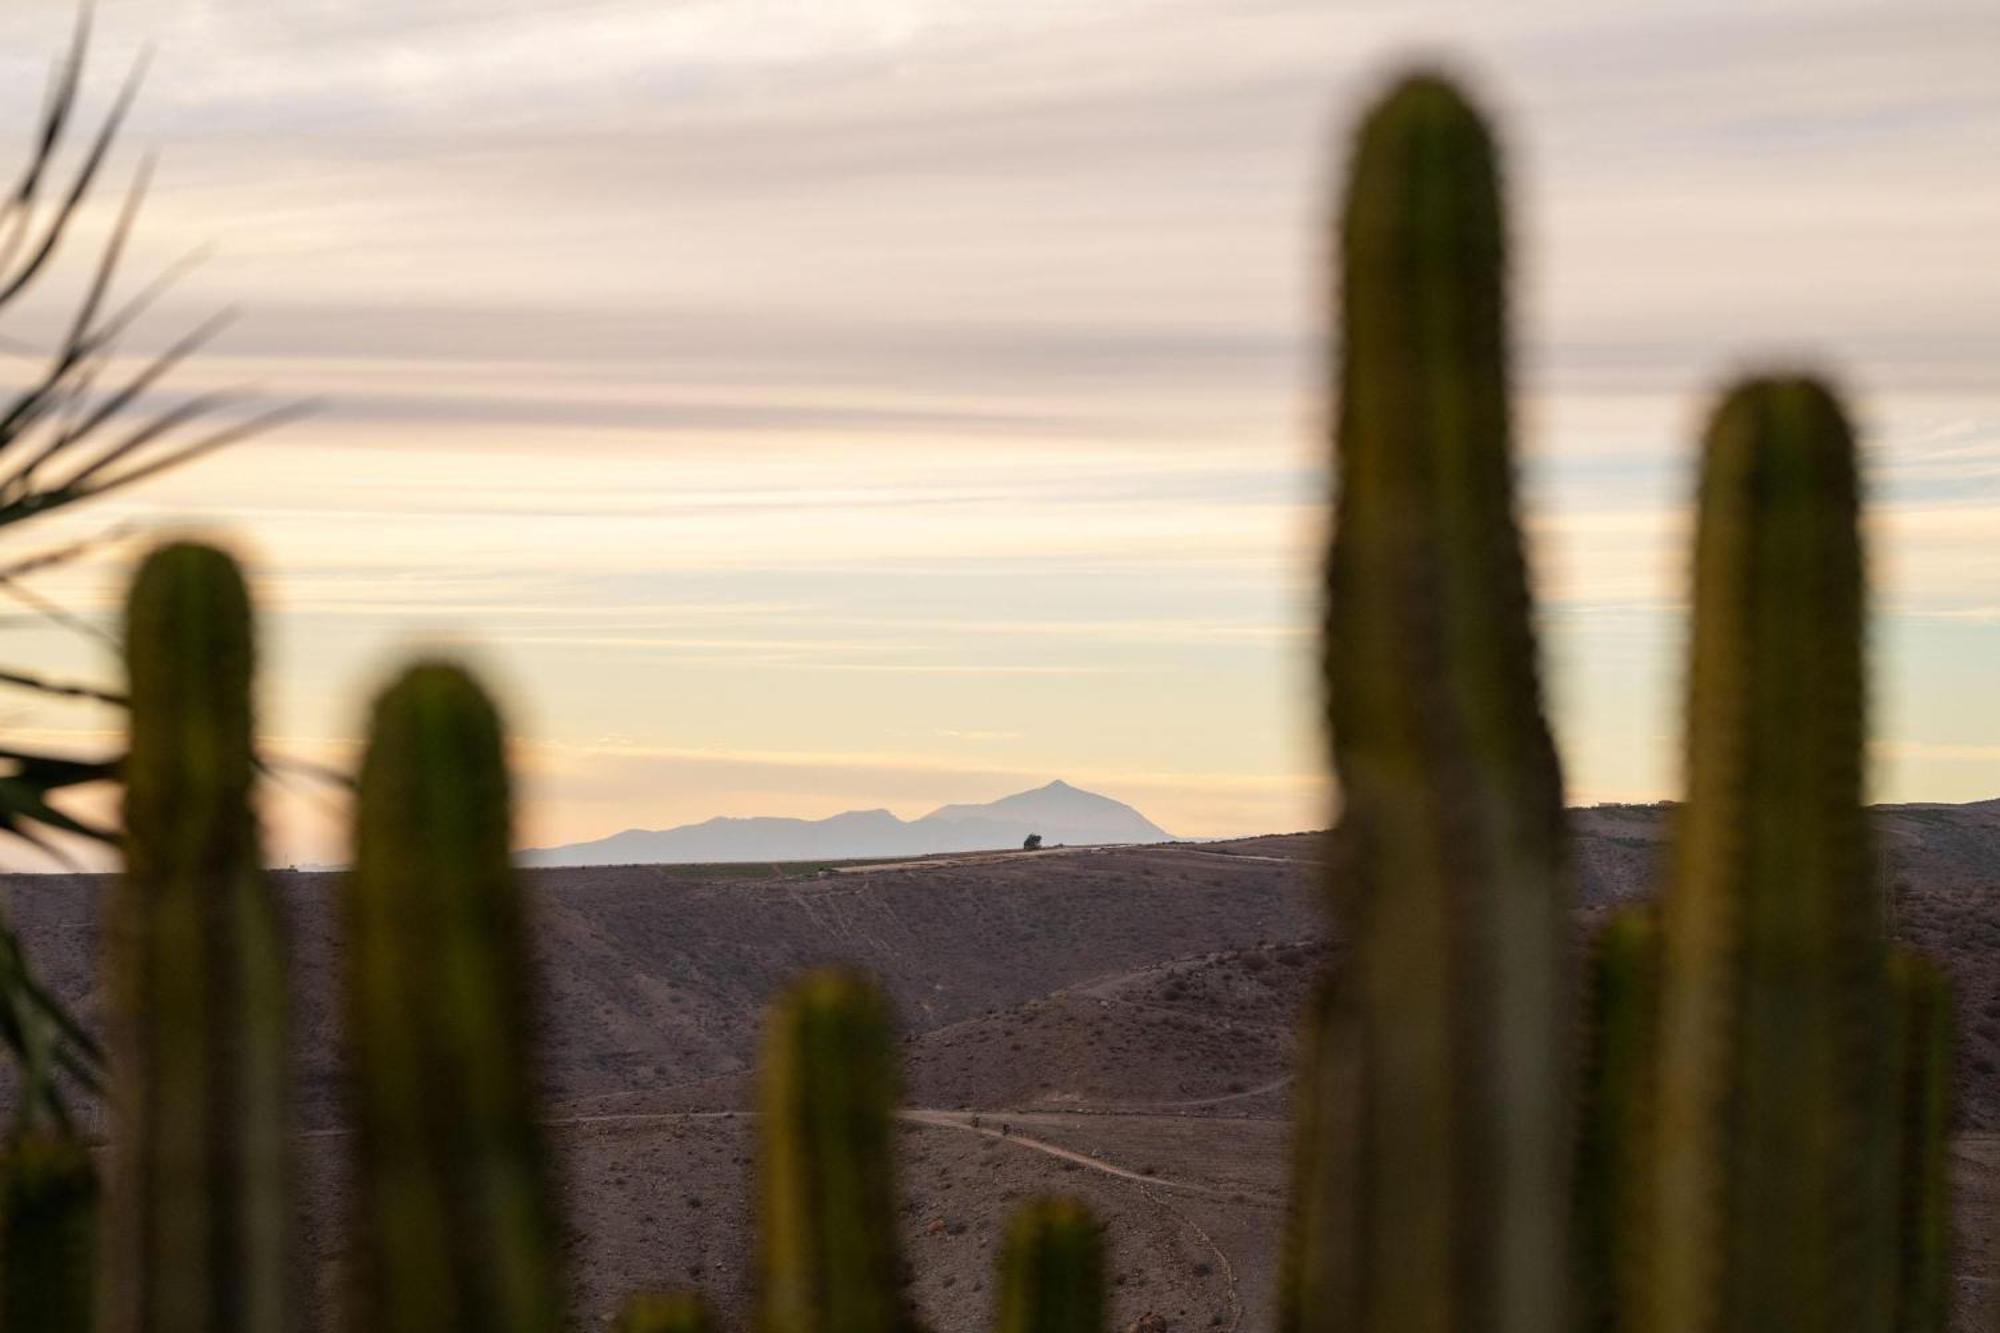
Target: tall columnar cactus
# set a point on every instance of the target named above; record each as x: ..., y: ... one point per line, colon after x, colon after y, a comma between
x: 665, y: 1312
x: 1451, y: 1183
x: 1772, y: 1005
x: 48, y: 1234
x: 1921, y: 1007
x: 828, y: 1254
x: 455, y: 1222
x: 201, y: 1206
x: 1622, y: 1048
x: 1322, y: 1166
x: 1052, y: 1270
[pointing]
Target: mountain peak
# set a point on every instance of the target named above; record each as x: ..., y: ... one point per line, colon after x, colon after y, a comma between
x: 1059, y: 812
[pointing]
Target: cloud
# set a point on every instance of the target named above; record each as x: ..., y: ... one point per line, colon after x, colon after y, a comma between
x: 838, y: 376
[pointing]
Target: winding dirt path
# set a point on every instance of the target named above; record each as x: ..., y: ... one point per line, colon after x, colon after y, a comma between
x: 962, y: 1120
x: 1150, y: 1188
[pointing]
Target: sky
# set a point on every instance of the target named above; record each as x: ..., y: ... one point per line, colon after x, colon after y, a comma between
x: 796, y: 407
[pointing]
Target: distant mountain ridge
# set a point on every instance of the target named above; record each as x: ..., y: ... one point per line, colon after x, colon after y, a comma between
x: 1062, y: 814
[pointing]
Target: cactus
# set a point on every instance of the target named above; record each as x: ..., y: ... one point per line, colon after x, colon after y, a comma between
x: 1922, y: 1014
x: 1453, y: 1039
x: 200, y: 1239
x: 455, y: 1221
x: 665, y: 1312
x: 1323, y: 1142
x: 1617, y: 1093
x: 828, y: 1255
x: 48, y: 1235
x: 1052, y: 1270
x: 1771, y: 996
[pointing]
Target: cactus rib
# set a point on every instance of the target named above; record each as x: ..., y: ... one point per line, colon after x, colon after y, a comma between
x: 48, y: 1235
x: 1052, y: 1270
x: 1771, y: 1000
x: 1921, y: 996
x: 664, y: 1312
x: 828, y: 1254
x: 1622, y: 1050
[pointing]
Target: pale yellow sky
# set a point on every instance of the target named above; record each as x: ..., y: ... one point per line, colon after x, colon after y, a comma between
x: 808, y: 407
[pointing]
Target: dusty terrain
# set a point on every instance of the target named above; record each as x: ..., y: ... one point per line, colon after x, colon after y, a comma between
x: 1110, y: 1023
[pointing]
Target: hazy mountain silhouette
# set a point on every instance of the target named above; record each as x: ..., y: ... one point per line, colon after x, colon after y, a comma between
x: 1059, y: 812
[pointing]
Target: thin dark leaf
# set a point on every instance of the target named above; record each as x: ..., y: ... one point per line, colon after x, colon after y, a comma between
x: 22, y: 680
x: 57, y: 556
x: 70, y: 437
x: 58, y: 226
x: 19, y: 209
x: 187, y: 453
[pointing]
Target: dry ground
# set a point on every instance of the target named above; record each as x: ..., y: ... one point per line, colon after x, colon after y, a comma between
x: 1115, y: 1024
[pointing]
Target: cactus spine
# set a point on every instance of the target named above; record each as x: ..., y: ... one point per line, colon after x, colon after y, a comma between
x: 1454, y: 1034
x: 1617, y: 1093
x: 1052, y: 1270
x: 196, y: 977
x: 1771, y: 998
x: 828, y: 1255
x: 1921, y: 1000
x: 456, y: 1224
x: 665, y: 1312
x: 48, y: 1235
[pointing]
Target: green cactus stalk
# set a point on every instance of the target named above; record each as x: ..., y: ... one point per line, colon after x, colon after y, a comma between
x: 1052, y: 1270
x: 1921, y: 996
x: 1622, y: 1049
x: 828, y: 1253
x: 1452, y: 1041
x: 665, y: 1312
x: 48, y: 1235
x: 455, y: 1222
x: 1323, y: 1143
x: 200, y: 1240
x: 1772, y: 1004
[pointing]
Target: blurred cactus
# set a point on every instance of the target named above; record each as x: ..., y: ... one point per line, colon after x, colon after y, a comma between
x: 1052, y: 1270
x: 828, y: 1258
x: 455, y: 1222
x: 1771, y: 998
x: 1453, y: 1038
x: 200, y: 1233
x: 665, y: 1312
x: 1323, y: 1140
x: 1622, y: 1046
x: 48, y: 1235
x: 1922, y: 1013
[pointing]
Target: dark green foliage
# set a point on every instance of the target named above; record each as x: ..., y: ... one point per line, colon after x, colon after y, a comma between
x: 455, y: 1223
x: 665, y: 1312
x: 1622, y: 1047
x: 200, y: 1234
x: 828, y: 1255
x: 1771, y: 996
x: 73, y: 429
x: 48, y: 1235
x: 1452, y: 1038
x: 1921, y: 996
x: 1052, y: 1270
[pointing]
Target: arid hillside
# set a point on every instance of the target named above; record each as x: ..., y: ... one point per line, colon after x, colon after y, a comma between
x: 1115, y: 1023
